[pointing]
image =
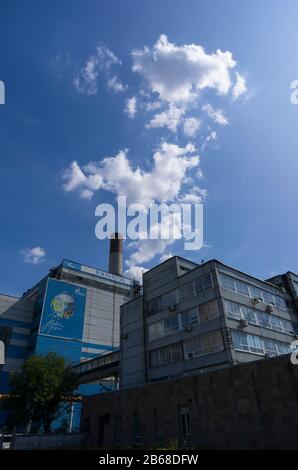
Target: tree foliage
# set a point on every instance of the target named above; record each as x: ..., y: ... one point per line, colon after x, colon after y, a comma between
x: 38, y: 392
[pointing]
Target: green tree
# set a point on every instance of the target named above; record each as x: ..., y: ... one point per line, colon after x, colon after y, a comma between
x: 39, y: 393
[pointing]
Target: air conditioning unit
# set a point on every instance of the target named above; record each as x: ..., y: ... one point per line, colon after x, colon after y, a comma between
x: 269, y: 308
x: 283, y: 290
x: 172, y: 308
x: 190, y: 355
x: 255, y: 301
x: 188, y: 328
x: 243, y: 323
x: 124, y: 336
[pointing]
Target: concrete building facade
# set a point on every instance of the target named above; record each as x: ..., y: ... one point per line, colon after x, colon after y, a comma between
x: 199, y: 317
x: 74, y: 311
x: 247, y: 406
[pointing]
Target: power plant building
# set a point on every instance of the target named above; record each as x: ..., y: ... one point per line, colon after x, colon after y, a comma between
x: 74, y: 311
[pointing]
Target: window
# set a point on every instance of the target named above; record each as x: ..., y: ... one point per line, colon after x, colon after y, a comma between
x: 205, y: 344
x: 240, y: 341
x: 166, y: 355
x: 193, y: 348
x: 256, y: 293
x: 268, y: 297
x: 250, y: 315
x: 207, y: 281
x: 280, y: 303
x: 227, y: 282
x: 275, y: 323
x: 255, y: 344
x: 186, y: 291
x: 170, y: 325
x: 208, y: 311
x: 184, y: 423
x: 203, y: 283
x: 263, y: 319
x: 241, y: 288
x: 169, y: 299
x: 235, y: 285
x: 287, y: 326
x: 163, y: 327
x: 212, y: 342
x: 270, y: 347
x: 233, y: 309
x: 190, y: 317
x: 154, y: 305
x: 283, y: 348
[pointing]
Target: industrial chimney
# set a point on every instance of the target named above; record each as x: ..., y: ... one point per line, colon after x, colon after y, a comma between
x: 115, y: 260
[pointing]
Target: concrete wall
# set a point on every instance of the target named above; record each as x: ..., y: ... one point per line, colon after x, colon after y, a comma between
x: 248, y: 406
x: 46, y: 441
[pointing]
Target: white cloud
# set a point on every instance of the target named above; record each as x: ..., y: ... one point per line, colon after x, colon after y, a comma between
x: 75, y: 178
x: 152, y: 105
x: 170, y: 118
x: 131, y: 107
x: 136, y: 272
x: 191, y: 126
x: 240, y: 86
x: 165, y: 256
x: 164, y: 182
x: 34, y: 255
x: 178, y: 73
x: 217, y: 115
x: 211, y: 139
x: 86, y: 81
x: 116, y: 85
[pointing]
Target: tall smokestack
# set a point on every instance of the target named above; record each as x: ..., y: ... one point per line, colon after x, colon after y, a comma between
x: 115, y: 259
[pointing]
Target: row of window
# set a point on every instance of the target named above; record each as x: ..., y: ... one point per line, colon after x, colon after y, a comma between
x: 137, y: 426
x: 249, y: 290
x: 178, y: 322
x: 189, y: 349
x: 258, y: 345
x: 187, y: 291
x: 260, y: 318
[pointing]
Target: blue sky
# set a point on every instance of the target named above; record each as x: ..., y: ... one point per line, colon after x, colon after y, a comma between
x: 53, y: 116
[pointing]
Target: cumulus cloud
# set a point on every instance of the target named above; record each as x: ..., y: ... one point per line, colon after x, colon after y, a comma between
x: 240, y: 86
x: 178, y: 73
x: 191, y: 126
x: 135, y: 272
x: 34, y: 255
x: 87, y: 79
x: 131, y: 107
x: 210, y: 140
x: 165, y: 256
x: 170, y: 118
x: 170, y: 167
x: 217, y: 115
x: 174, y: 78
x: 168, y: 180
x: 115, y: 84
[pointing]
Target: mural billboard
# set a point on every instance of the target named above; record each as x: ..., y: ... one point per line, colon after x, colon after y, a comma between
x: 63, y: 310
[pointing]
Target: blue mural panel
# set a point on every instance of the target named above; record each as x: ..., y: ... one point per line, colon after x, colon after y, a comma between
x: 63, y: 310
